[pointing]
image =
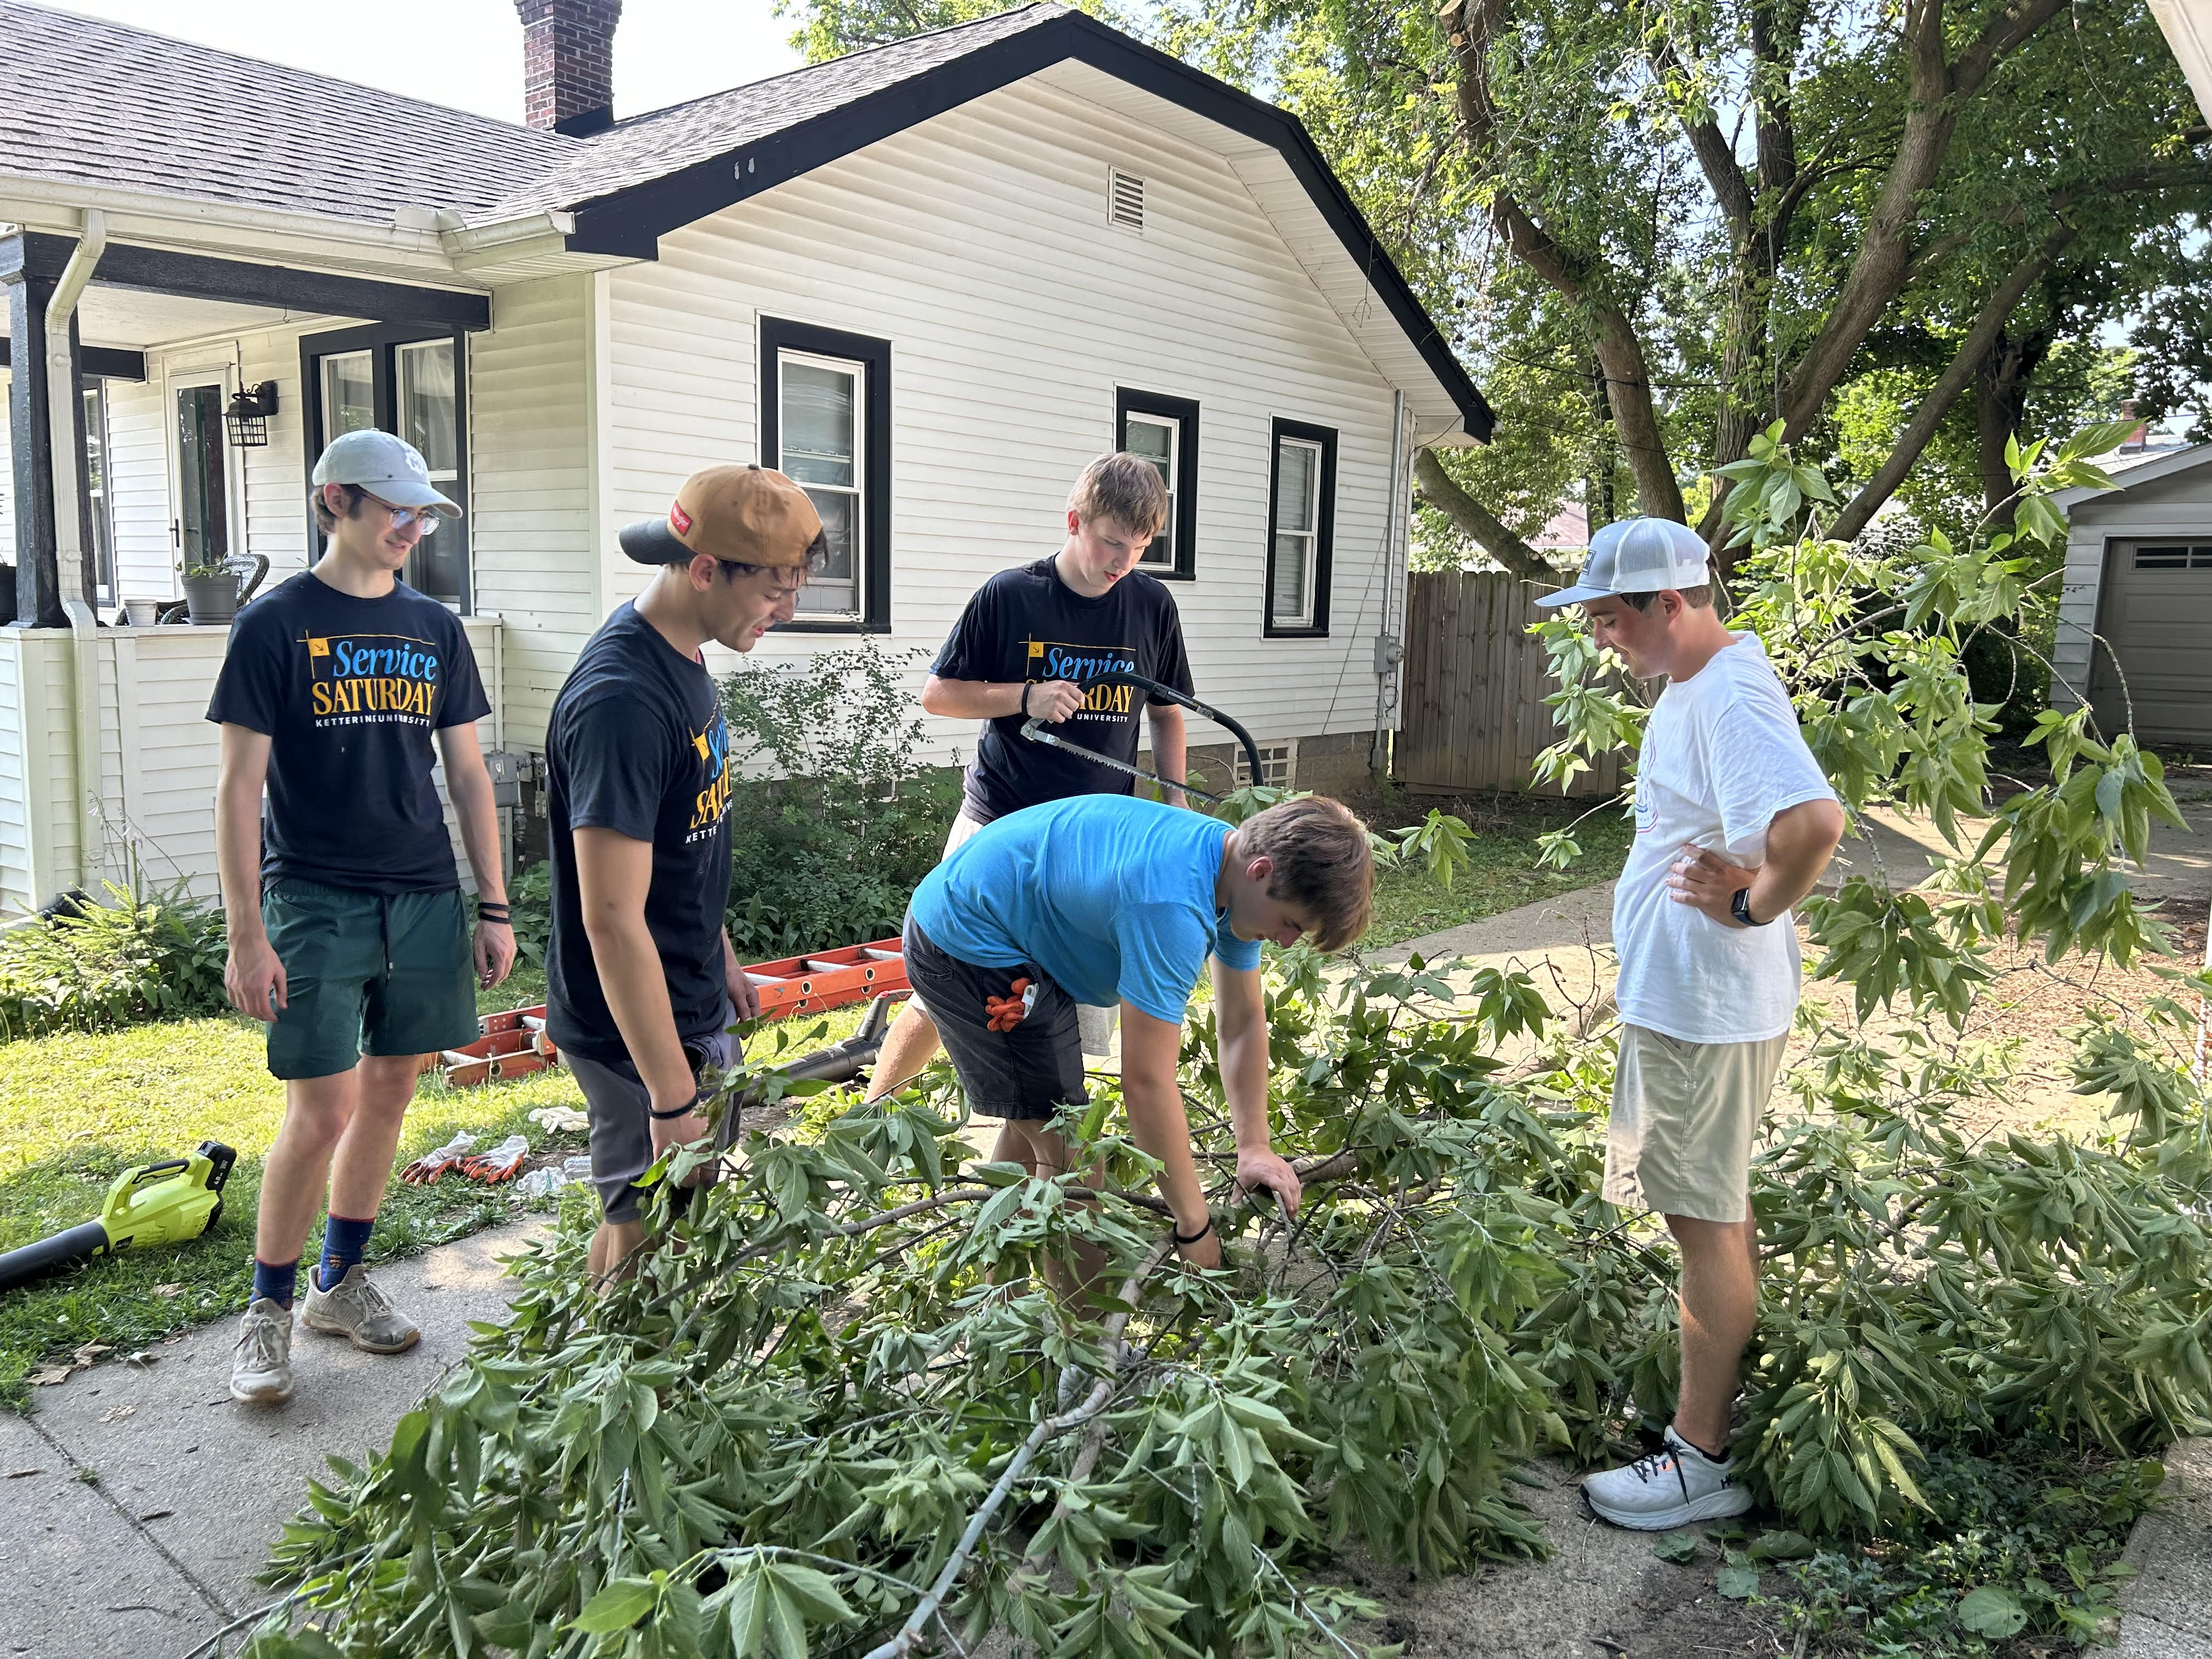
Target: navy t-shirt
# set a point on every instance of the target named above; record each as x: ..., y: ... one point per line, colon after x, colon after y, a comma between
x: 638, y: 745
x: 349, y: 692
x: 1026, y: 624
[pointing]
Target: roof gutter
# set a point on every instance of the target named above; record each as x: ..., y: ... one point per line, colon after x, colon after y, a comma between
x: 69, y: 532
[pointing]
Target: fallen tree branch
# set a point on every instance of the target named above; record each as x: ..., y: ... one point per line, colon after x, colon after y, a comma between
x: 901, y: 1643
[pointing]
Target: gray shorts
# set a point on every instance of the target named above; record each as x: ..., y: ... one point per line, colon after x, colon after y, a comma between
x: 1029, y: 1072
x: 1683, y: 1116
x: 620, y: 1108
x: 1094, y: 1025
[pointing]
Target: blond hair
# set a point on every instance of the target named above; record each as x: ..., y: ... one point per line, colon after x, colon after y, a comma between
x: 1124, y: 488
x: 1323, y: 864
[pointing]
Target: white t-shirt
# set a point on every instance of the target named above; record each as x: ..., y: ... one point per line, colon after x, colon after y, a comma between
x: 1722, y: 756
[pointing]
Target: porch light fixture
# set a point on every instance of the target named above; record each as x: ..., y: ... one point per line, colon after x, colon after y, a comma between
x: 247, y: 417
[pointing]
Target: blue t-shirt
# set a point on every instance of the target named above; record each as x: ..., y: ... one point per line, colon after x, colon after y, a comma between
x: 1111, y: 896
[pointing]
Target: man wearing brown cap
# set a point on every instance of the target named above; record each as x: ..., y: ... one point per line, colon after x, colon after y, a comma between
x: 641, y: 984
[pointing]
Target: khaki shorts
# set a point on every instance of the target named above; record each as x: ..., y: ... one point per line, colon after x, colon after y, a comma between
x: 1683, y: 1117
x: 1096, y: 1024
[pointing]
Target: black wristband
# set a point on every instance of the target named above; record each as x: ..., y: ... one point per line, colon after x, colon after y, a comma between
x: 1025, y: 699
x: 681, y: 1111
x: 1195, y: 1237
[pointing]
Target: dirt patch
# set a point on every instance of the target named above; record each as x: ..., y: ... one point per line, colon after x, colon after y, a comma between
x: 2028, y: 1006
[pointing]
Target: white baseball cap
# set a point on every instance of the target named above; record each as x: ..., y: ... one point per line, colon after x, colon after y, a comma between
x: 1638, y: 555
x: 388, y: 466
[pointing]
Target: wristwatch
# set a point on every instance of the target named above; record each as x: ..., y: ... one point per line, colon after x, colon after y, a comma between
x: 1740, y: 908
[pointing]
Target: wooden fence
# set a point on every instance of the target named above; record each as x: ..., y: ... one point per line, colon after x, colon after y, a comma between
x: 1475, y: 682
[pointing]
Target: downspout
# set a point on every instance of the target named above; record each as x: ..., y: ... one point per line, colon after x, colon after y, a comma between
x: 1389, y: 642
x: 62, y: 401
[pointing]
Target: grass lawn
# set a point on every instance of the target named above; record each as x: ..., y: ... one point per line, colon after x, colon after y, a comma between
x: 1409, y: 902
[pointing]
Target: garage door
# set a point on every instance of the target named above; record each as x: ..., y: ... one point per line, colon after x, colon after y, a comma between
x: 2156, y: 616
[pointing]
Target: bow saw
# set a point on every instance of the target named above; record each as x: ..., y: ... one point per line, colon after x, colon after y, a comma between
x: 1036, y: 732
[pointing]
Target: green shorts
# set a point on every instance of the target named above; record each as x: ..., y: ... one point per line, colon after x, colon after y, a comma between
x: 364, y: 972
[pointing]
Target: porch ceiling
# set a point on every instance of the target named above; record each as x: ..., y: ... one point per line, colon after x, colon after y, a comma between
x: 134, y: 317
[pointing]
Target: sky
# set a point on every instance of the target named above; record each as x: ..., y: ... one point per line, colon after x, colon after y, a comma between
x: 468, y: 53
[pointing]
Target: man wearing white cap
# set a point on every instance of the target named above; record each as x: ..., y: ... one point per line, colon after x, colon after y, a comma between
x: 1735, y: 821
x: 347, y: 932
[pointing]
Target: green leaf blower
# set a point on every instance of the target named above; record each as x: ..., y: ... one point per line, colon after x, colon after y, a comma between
x: 164, y: 1203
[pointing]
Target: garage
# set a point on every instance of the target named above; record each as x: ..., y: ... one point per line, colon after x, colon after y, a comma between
x: 2136, y: 615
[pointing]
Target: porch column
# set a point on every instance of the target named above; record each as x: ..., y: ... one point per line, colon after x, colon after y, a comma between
x: 31, y: 267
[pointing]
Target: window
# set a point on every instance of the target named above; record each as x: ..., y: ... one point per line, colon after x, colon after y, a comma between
x: 99, y: 531
x: 826, y: 424
x: 408, y: 381
x: 2173, y: 555
x: 1300, y: 511
x: 1164, y: 431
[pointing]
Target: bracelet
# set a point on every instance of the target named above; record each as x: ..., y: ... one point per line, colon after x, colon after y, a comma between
x: 681, y: 1111
x: 1025, y: 699
x: 1195, y: 1237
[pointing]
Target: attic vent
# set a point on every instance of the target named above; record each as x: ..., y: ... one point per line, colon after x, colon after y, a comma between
x: 1125, y: 200
x: 1278, y: 766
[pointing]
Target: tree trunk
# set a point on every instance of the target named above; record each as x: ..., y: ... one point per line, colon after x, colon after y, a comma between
x: 1599, y: 508
x: 1980, y: 340
x: 2000, y: 403
x: 1472, y: 519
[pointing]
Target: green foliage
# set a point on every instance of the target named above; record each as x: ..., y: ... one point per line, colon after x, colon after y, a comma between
x: 112, y: 963
x: 2021, y: 1539
x: 777, y: 1440
x: 530, y: 903
x: 1871, y: 645
x: 839, y: 819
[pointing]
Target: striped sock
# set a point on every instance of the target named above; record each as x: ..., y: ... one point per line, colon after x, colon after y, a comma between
x: 276, y: 1281
x: 344, y: 1239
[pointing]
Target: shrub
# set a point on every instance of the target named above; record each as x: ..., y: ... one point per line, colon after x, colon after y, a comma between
x: 114, y: 964
x: 530, y: 903
x: 840, y: 818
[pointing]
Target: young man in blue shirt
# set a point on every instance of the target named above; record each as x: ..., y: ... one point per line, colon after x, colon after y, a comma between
x: 1103, y: 899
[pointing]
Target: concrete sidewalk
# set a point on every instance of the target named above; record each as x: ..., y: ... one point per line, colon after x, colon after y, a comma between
x: 140, y: 1502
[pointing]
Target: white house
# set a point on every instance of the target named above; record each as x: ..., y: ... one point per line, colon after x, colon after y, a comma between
x: 2135, y: 618
x: 932, y: 279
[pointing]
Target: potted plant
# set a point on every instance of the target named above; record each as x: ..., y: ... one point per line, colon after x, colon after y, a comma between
x: 210, y: 593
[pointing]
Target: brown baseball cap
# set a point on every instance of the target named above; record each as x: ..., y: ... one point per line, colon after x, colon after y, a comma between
x: 745, y: 514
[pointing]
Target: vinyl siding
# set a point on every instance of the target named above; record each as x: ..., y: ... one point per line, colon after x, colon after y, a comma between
x: 2179, y: 505
x: 530, y: 399
x: 977, y: 244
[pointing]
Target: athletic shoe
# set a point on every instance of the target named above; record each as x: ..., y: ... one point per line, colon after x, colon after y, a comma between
x: 1671, y: 1487
x: 356, y: 1309
x: 261, y: 1372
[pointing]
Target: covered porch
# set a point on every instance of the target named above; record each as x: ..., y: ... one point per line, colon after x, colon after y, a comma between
x: 165, y: 407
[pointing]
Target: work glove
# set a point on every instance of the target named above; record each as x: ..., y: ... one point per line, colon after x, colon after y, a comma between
x: 432, y: 1164
x: 502, y: 1162
x: 1009, y: 1010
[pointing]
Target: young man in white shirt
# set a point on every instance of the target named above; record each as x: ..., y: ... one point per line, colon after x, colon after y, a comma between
x: 1735, y: 821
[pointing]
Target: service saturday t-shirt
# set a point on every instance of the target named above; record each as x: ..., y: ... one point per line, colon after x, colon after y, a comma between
x: 1112, y: 895
x: 1026, y: 624
x: 637, y: 744
x: 1722, y: 756
x: 349, y: 692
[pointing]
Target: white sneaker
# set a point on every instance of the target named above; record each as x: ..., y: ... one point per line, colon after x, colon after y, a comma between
x: 355, y: 1308
x: 261, y: 1372
x: 1670, y: 1488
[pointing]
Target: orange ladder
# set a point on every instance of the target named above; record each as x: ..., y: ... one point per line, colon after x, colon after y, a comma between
x: 514, y: 1043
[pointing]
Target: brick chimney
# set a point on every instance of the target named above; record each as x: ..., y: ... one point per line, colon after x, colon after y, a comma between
x: 567, y: 63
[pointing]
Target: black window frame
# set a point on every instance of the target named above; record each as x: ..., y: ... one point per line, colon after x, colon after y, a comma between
x: 1127, y: 400
x: 1324, y: 529
x: 782, y: 334
x: 382, y: 341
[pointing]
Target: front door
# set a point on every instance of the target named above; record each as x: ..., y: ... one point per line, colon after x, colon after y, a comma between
x: 201, y: 530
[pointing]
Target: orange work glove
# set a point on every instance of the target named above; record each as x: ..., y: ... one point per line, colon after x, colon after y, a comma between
x: 1009, y: 1010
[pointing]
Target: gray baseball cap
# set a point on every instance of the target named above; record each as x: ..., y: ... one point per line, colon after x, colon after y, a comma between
x: 1638, y: 555
x: 388, y: 466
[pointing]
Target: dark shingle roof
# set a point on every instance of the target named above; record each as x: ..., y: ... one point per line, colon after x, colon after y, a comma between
x: 89, y: 101
x: 652, y: 146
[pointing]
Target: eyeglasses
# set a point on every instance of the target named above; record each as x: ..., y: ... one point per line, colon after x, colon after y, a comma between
x: 816, y: 561
x: 428, y: 517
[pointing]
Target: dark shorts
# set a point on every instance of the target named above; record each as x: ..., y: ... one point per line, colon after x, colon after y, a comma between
x: 1030, y: 1072
x: 620, y: 1106
x: 367, y: 973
